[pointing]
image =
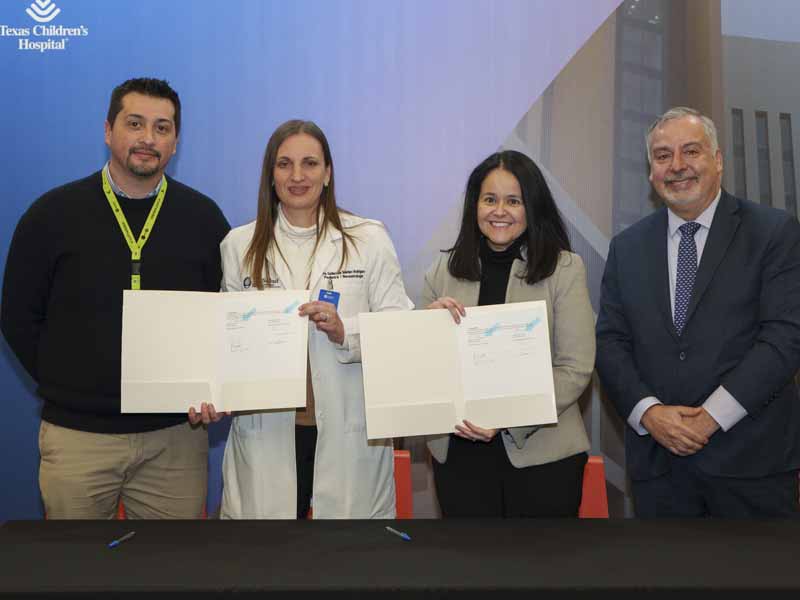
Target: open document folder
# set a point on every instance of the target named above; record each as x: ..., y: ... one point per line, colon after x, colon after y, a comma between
x: 423, y: 374
x: 240, y: 351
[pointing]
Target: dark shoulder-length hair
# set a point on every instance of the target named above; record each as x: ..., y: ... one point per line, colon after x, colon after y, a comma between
x: 256, y: 256
x: 545, y: 235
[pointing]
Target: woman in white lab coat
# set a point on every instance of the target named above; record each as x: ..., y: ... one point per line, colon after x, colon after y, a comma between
x: 301, y: 240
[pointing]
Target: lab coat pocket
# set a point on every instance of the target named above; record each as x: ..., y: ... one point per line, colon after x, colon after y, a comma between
x: 263, y: 421
x: 259, y: 467
x: 353, y: 297
x: 354, y: 427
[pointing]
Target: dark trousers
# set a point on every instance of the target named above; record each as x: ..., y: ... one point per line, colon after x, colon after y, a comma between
x: 305, y: 447
x: 686, y: 491
x: 478, y: 480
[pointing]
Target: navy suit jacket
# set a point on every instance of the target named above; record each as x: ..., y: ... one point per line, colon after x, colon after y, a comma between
x: 742, y: 332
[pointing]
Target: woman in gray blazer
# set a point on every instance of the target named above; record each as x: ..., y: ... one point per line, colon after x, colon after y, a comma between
x: 513, y: 247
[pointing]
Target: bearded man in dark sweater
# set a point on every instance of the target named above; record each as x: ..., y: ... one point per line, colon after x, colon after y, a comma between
x: 76, y: 248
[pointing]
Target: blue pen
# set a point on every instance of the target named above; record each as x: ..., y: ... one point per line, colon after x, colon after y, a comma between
x: 124, y: 538
x: 401, y: 534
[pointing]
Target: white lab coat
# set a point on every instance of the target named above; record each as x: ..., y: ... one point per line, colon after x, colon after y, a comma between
x: 353, y: 477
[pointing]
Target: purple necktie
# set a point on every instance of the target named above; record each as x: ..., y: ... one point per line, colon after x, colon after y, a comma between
x: 687, y: 268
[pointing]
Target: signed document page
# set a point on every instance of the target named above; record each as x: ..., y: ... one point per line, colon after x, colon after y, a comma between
x: 423, y: 374
x: 506, y: 370
x: 239, y: 351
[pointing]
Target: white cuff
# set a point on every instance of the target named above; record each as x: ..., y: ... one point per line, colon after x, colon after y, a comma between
x: 724, y: 408
x: 635, y: 418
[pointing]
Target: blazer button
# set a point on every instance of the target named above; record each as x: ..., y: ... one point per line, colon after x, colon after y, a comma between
x: 682, y: 355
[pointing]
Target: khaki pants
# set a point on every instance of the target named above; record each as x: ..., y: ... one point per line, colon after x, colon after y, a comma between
x: 159, y: 474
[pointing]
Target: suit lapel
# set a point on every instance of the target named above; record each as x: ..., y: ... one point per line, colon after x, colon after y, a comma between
x: 723, y: 228
x: 656, y: 245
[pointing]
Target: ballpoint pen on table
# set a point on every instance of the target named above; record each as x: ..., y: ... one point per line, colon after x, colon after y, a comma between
x: 124, y: 538
x: 401, y: 534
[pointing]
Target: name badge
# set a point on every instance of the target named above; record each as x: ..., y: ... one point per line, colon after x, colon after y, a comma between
x: 329, y: 296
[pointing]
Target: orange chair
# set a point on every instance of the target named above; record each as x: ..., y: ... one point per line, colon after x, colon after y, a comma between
x: 403, y: 497
x: 594, y: 504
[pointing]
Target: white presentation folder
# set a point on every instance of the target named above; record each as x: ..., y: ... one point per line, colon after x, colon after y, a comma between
x: 239, y: 350
x: 423, y: 374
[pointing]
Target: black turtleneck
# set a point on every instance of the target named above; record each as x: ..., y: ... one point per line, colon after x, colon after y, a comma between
x: 495, y: 271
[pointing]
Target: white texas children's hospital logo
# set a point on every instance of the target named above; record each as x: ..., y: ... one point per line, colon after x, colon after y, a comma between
x: 43, y: 11
x: 43, y: 35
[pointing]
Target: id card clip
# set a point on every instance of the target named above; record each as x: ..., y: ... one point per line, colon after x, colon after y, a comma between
x: 330, y: 297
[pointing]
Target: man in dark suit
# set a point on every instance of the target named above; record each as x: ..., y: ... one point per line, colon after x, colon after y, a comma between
x: 698, y: 339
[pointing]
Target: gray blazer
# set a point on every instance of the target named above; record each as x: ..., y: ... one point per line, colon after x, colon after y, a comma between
x: 572, y: 345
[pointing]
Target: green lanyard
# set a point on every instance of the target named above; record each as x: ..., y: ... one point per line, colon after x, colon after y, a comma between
x: 134, y: 245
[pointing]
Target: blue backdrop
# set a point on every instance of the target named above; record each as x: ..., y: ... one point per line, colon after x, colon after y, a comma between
x: 412, y: 94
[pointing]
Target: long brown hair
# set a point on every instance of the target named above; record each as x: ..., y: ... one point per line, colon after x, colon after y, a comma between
x: 264, y: 235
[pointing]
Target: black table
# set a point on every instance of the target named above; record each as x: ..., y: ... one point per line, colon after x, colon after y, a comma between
x: 463, y: 558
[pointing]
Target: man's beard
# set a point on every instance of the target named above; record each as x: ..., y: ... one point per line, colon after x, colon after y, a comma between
x: 141, y: 170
